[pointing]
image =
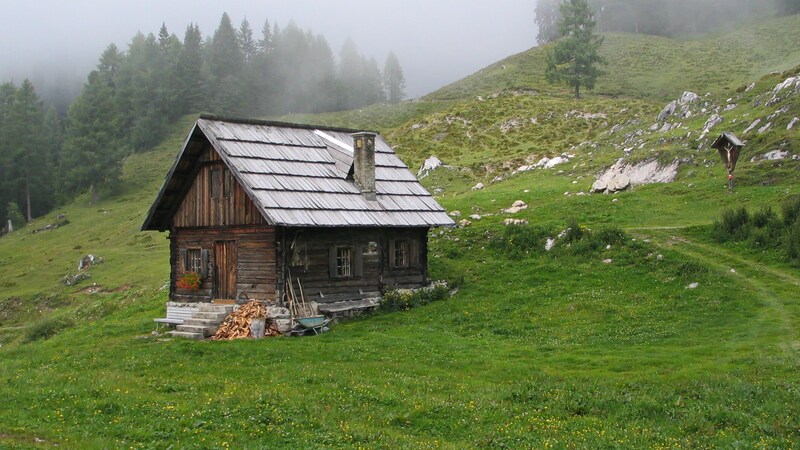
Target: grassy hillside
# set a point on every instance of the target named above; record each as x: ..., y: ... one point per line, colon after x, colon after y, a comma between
x: 603, y: 342
x: 653, y: 67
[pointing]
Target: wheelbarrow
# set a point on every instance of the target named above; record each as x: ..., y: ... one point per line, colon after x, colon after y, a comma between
x: 313, y: 324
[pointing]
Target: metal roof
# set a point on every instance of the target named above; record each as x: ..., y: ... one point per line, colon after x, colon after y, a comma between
x: 301, y: 175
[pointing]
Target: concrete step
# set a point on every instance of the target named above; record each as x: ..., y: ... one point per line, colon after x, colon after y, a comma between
x: 187, y: 334
x: 202, y: 322
x: 204, y: 330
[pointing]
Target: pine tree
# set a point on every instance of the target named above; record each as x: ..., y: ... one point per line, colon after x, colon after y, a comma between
x: 190, y: 72
x: 575, y: 57
x: 27, y: 146
x: 225, y: 65
x: 265, y: 45
x: 393, y: 79
x: 247, y: 42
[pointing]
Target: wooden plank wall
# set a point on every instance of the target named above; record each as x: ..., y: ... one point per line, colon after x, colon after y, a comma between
x: 309, y: 261
x: 256, y: 273
x: 198, y: 209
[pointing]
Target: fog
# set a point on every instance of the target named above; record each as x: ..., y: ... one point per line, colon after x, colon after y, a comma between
x: 56, y: 43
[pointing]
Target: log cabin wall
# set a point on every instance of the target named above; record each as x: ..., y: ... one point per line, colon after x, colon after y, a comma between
x: 256, y: 276
x: 310, y: 255
x: 215, y: 198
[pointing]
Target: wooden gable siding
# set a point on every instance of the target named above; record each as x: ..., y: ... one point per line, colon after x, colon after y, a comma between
x: 308, y: 257
x: 200, y: 209
x: 255, y: 274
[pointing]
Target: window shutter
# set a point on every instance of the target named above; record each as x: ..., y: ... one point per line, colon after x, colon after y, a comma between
x: 391, y: 253
x: 413, y: 249
x: 358, y: 261
x: 185, y: 259
x: 204, y: 266
x: 332, y: 261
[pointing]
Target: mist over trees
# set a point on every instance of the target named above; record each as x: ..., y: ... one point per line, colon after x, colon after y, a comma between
x: 133, y: 96
x: 669, y: 18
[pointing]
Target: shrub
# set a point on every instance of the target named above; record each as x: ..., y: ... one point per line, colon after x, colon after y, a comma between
x: 791, y: 242
x: 404, y: 299
x: 519, y: 241
x: 46, y: 328
x: 691, y: 269
x: 733, y: 224
x: 791, y: 210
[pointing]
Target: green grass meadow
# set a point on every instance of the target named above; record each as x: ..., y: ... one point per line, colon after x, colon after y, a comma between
x: 641, y: 332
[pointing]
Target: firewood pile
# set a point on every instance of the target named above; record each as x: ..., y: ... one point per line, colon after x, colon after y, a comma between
x: 237, y: 324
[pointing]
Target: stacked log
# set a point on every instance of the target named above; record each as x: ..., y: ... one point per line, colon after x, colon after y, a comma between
x: 237, y: 325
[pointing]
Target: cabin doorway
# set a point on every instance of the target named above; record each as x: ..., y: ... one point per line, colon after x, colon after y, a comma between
x: 225, y: 262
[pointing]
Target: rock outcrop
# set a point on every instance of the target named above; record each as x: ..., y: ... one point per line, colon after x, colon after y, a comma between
x: 622, y: 175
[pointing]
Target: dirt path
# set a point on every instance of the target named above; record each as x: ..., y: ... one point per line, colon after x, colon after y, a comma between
x: 777, y: 288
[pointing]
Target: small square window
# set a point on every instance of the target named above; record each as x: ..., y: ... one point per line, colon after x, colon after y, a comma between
x: 194, y: 260
x: 344, y: 261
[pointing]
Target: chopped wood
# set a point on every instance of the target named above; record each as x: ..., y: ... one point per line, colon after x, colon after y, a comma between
x: 237, y: 324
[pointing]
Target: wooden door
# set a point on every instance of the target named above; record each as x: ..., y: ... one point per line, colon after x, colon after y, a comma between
x: 225, y: 263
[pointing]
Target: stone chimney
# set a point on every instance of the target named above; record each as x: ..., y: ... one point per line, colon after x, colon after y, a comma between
x: 364, y: 163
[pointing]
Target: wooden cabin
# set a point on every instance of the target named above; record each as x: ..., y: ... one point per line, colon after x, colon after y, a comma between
x: 249, y: 203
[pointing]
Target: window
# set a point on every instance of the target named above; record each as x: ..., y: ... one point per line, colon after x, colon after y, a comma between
x: 344, y: 261
x: 403, y: 253
x: 194, y: 259
x: 400, y: 254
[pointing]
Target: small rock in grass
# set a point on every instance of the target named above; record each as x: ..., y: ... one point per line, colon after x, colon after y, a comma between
x: 455, y: 213
x: 464, y: 223
x: 608, y: 261
x: 693, y: 285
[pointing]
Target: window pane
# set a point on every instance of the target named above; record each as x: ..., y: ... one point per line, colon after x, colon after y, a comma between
x: 344, y: 261
x: 195, y: 261
x: 400, y: 256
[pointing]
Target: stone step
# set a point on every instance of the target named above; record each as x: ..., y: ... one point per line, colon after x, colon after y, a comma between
x: 202, y: 322
x: 187, y: 334
x: 220, y: 316
x: 210, y: 307
x: 204, y: 330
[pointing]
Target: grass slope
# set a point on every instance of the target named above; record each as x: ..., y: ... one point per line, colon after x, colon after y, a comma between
x: 653, y: 67
x: 537, y: 349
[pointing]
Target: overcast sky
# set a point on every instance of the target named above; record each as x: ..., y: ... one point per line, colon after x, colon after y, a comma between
x: 436, y: 41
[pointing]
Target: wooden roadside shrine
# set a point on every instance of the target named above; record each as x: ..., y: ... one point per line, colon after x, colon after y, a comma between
x: 729, y: 147
x: 255, y: 207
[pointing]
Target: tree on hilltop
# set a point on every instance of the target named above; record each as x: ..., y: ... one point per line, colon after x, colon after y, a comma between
x: 575, y: 58
x: 393, y: 79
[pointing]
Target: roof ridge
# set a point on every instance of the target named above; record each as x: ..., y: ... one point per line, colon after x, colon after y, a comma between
x: 271, y: 123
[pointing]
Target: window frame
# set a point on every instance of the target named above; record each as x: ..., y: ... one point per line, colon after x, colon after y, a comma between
x: 344, y: 261
x: 194, y: 260
x: 355, y: 261
x: 400, y: 254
